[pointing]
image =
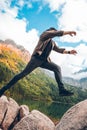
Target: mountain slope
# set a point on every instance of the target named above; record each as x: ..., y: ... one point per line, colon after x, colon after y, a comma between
x: 13, y: 60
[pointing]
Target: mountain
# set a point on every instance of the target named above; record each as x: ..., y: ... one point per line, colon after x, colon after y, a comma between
x: 81, y: 71
x: 10, y: 45
x: 82, y: 83
x: 79, y: 83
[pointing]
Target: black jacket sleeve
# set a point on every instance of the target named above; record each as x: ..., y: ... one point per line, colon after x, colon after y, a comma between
x: 50, y: 34
x: 57, y: 49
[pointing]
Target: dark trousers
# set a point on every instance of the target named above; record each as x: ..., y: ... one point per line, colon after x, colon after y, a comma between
x: 34, y: 63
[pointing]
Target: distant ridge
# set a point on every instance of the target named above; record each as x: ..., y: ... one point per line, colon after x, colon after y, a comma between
x: 10, y: 44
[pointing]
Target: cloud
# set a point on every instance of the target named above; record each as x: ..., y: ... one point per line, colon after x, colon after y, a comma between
x: 70, y: 63
x: 22, y: 3
x: 6, y: 8
x: 15, y: 29
x: 31, y: 40
x: 54, y: 5
x: 4, y: 4
x: 74, y: 18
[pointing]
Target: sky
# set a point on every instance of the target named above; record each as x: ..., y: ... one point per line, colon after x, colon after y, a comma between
x: 24, y: 20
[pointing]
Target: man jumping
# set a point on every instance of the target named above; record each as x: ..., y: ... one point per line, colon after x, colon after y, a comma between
x: 40, y: 58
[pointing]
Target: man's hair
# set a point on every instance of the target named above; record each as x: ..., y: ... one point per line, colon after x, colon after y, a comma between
x: 51, y: 28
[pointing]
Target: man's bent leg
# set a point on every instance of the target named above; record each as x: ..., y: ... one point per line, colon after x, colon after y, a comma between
x: 58, y: 76
x: 34, y: 63
x: 57, y: 71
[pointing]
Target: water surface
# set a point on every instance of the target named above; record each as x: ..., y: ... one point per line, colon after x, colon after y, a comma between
x: 53, y: 110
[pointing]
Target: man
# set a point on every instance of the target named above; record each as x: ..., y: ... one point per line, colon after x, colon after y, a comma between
x: 40, y: 58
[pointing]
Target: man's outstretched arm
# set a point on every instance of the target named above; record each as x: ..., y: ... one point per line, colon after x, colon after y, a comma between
x: 71, y: 33
x: 53, y: 33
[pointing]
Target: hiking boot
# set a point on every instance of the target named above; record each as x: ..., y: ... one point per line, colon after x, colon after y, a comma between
x: 65, y: 92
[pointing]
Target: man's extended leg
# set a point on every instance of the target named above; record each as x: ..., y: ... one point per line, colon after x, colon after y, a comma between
x: 34, y: 63
x: 57, y: 71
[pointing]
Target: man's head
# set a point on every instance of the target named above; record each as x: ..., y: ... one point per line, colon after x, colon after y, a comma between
x: 51, y: 28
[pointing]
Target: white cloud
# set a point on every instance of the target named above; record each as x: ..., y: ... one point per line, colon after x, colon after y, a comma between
x: 70, y: 63
x: 5, y: 6
x: 21, y: 3
x: 31, y: 40
x: 74, y: 18
x: 15, y: 29
x: 54, y: 5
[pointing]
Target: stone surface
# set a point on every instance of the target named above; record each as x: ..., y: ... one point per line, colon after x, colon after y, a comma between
x: 9, y: 109
x: 24, y: 111
x: 35, y: 121
x: 3, y: 107
x: 13, y: 117
x: 75, y: 118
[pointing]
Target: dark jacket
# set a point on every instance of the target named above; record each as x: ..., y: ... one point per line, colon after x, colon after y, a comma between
x: 45, y: 38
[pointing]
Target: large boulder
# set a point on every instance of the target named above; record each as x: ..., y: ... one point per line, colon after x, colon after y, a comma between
x: 35, y: 121
x: 8, y: 112
x: 75, y: 118
x: 3, y: 108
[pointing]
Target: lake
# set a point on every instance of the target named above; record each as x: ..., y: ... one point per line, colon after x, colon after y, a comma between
x: 53, y: 110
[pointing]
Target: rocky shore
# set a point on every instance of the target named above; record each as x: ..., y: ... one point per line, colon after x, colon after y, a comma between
x: 15, y: 117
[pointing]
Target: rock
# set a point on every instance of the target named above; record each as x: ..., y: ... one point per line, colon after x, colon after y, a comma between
x: 13, y: 117
x: 10, y: 109
x: 3, y: 108
x: 35, y: 121
x: 24, y: 111
x: 75, y: 118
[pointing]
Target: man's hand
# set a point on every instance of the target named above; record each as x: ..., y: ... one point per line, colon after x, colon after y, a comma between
x: 71, y: 33
x: 74, y: 52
